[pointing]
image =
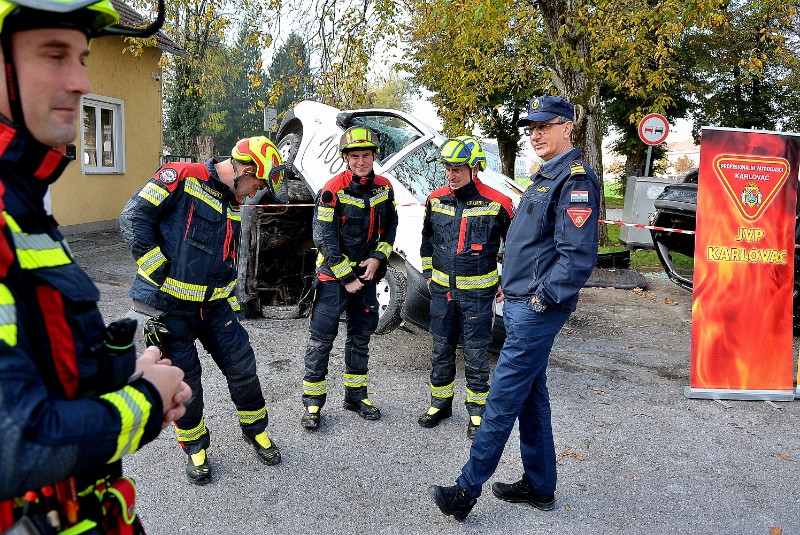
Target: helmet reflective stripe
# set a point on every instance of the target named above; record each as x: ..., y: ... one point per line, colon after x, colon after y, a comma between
x: 455, y: 153
x: 262, y: 153
x: 477, y: 154
x: 357, y: 137
x: 97, y: 15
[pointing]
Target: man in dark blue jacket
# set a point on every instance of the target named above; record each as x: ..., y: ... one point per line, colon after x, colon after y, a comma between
x: 355, y: 223
x: 551, y: 249
x: 183, y: 227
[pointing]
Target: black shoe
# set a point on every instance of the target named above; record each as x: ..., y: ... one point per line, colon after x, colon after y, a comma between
x: 520, y: 492
x: 452, y: 501
x: 473, y: 426
x: 364, y: 408
x: 310, y: 420
x: 198, y: 471
x: 269, y: 456
x: 428, y: 420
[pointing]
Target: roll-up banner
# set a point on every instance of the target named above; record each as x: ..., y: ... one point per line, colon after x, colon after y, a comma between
x: 744, y: 266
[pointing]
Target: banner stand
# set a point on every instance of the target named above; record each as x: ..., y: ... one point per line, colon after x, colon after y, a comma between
x: 759, y: 395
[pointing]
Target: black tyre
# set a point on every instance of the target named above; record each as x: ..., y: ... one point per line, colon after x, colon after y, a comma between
x: 391, y: 296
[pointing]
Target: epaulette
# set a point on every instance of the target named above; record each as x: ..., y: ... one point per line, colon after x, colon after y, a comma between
x: 577, y: 169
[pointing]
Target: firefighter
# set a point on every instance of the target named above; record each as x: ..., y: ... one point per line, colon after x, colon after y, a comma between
x: 355, y: 222
x: 74, y: 399
x: 182, y: 228
x: 464, y: 224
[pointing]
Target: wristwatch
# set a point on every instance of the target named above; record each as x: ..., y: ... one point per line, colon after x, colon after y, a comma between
x: 538, y: 305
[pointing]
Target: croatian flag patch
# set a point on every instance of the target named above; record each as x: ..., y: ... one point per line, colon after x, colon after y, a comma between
x: 579, y: 196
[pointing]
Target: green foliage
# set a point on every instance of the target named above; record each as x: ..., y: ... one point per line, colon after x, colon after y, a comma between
x: 289, y: 75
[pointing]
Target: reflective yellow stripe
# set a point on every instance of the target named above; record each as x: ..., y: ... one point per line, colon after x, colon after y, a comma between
x: 36, y: 251
x: 466, y: 283
x: 437, y: 206
x: 234, y: 215
x: 234, y: 303
x: 444, y: 391
x: 151, y: 261
x: 478, y: 398
x: 355, y: 381
x: 384, y: 248
x: 342, y: 269
x: 383, y: 196
x: 81, y: 527
x: 314, y: 389
x: 195, y: 189
x: 184, y: 290
x: 352, y: 201
x: 325, y: 214
x: 427, y: 263
x: 492, y: 209
x: 223, y: 293
x: 577, y: 170
x: 188, y: 435
x: 8, y: 317
x: 251, y: 417
x: 134, y: 412
x: 153, y: 193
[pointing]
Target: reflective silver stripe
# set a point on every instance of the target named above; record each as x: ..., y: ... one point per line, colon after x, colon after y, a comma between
x: 437, y: 206
x: 384, y: 248
x: 39, y: 250
x: 187, y: 435
x: 325, y: 214
x: 314, y: 389
x: 477, y: 397
x: 151, y: 260
x: 183, y: 290
x: 222, y: 293
x: 355, y: 381
x: 195, y: 189
x: 134, y: 411
x: 344, y: 198
x: 251, y: 417
x: 153, y: 193
x: 383, y: 196
x: 444, y: 391
x: 8, y: 317
x: 491, y: 209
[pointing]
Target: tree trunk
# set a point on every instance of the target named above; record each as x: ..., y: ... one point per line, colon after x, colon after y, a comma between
x: 508, y: 155
x: 205, y: 147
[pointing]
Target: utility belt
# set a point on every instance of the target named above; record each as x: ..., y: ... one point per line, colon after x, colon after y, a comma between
x: 106, y: 507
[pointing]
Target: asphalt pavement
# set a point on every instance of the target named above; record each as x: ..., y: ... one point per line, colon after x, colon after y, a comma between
x: 634, y: 455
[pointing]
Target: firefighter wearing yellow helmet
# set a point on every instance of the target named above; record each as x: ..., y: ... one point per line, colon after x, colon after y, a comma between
x: 467, y: 220
x: 183, y: 229
x: 355, y: 223
x: 75, y: 399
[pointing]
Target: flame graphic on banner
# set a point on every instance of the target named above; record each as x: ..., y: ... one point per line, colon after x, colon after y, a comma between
x: 744, y: 264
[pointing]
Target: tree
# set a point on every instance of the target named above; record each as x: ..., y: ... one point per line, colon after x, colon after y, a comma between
x: 392, y: 92
x: 289, y: 76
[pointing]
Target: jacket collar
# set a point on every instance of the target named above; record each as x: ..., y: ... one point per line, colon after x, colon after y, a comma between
x: 555, y: 167
x: 31, y: 158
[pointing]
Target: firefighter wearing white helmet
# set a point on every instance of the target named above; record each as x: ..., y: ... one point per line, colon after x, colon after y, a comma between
x: 74, y: 399
x: 183, y: 228
x: 464, y: 224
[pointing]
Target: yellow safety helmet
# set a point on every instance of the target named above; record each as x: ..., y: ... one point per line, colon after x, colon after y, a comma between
x: 262, y: 153
x: 455, y: 153
x: 89, y: 16
x: 357, y: 137
x: 477, y: 154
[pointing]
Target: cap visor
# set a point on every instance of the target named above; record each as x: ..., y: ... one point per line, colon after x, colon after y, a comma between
x: 536, y: 117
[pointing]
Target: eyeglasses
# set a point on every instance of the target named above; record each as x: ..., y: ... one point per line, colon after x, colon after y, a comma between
x: 541, y: 128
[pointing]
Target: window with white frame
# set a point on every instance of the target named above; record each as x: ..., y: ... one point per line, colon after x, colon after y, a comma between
x: 103, y: 135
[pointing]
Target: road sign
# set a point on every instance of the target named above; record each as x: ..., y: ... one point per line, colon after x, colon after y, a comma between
x: 653, y: 129
x: 270, y: 118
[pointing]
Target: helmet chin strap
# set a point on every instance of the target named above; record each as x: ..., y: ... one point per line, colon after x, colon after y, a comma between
x: 12, y: 86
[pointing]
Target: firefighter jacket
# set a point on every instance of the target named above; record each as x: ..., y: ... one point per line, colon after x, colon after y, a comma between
x: 354, y: 219
x: 461, y: 236
x: 552, y: 244
x: 183, y: 229
x: 66, y: 409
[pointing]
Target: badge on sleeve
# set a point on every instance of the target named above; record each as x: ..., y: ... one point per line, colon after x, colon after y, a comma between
x: 579, y: 215
x: 168, y: 175
x: 579, y: 196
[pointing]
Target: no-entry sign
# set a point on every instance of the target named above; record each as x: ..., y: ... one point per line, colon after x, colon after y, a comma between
x: 653, y: 129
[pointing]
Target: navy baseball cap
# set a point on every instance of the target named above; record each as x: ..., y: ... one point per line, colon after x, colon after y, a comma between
x: 544, y: 108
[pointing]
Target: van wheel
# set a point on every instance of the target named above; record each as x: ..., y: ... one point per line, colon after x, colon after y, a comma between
x: 391, y: 297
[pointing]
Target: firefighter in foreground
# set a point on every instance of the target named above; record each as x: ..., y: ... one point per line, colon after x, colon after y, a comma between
x: 183, y: 230
x: 549, y: 255
x: 464, y: 224
x: 73, y: 397
x: 355, y: 222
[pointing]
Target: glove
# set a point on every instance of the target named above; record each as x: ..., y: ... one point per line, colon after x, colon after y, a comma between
x: 154, y: 332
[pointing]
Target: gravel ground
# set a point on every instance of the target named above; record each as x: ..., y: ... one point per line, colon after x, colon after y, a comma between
x: 634, y: 455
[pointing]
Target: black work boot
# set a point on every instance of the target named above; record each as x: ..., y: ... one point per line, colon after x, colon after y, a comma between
x: 434, y: 415
x: 198, y: 471
x: 453, y: 501
x: 268, y: 453
x: 521, y: 492
x: 364, y: 408
x: 473, y: 425
x: 311, y: 417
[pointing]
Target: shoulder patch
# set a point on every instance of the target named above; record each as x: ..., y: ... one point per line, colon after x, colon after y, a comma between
x: 579, y: 196
x: 579, y: 216
x: 577, y: 169
x: 542, y: 189
x: 168, y: 175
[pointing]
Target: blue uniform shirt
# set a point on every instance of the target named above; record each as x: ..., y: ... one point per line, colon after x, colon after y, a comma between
x: 551, y: 247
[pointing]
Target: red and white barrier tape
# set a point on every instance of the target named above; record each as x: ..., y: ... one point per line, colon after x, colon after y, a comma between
x: 649, y: 227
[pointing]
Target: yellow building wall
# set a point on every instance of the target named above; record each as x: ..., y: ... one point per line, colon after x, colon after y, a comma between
x: 95, y: 201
